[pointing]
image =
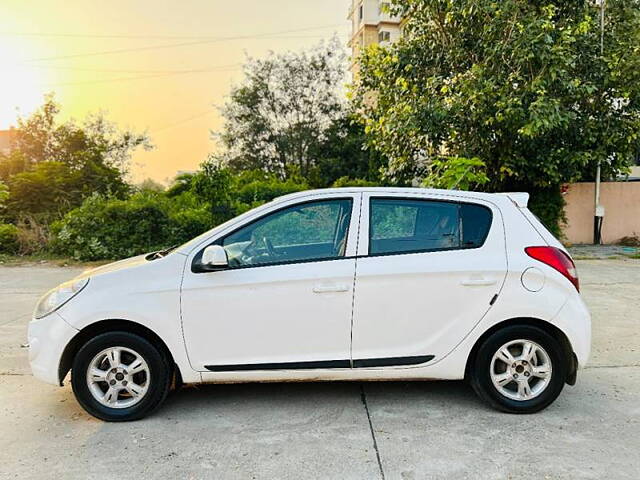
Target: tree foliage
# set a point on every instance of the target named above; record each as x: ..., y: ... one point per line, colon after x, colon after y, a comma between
x: 518, y: 84
x: 41, y: 137
x: 50, y: 189
x: 456, y: 173
x: 53, y: 166
x: 344, y: 153
x: 276, y: 118
x: 106, y: 227
x: 9, y: 242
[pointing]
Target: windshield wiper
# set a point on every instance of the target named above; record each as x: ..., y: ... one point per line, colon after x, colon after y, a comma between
x: 161, y: 253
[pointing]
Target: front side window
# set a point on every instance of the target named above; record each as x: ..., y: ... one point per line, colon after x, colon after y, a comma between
x: 305, y: 232
x: 402, y: 226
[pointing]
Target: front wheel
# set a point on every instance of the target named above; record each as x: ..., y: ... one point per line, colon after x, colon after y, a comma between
x: 120, y: 376
x: 519, y: 369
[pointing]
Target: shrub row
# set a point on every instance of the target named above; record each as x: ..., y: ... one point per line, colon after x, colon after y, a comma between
x: 9, y: 240
x: 110, y: 228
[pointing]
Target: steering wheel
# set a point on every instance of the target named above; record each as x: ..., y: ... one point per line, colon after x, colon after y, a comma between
x: 269, y: 246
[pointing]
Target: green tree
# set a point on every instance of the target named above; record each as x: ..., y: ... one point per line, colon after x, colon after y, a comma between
x: 456, y: 173
x: 518, y: 84
x: 275, y: 119
x: 41, y: 137
x: 344, y: 153
x: 150, y: 185
x: 12, y: 163
x: 255, y: 187
x: 54, y: 165
x: 212, y: 186
x: 182, y: 183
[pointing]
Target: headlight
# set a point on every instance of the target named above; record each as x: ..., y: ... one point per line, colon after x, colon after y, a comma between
x: 54, y: 299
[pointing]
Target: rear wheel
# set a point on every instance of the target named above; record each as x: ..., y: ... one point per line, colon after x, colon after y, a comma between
x: 519, y: 369
x: 120, y: 376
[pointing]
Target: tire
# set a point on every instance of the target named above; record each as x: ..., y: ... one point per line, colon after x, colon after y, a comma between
x: 136, y: 392
x: 492, y: 377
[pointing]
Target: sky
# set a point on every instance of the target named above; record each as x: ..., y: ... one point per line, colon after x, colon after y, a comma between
x: 156, y: 65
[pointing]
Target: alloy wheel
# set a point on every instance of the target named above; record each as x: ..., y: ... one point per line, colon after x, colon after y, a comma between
x: 521, y: 370
x: 118, y: 377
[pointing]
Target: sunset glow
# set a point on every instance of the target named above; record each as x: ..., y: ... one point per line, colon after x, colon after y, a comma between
x: 160, y: 69
x: 21, y: 87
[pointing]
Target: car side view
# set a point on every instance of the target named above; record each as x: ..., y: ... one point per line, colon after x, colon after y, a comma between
x: 336, y: 284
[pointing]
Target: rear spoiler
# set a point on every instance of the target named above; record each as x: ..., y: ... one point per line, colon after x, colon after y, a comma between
x: 521, y: 199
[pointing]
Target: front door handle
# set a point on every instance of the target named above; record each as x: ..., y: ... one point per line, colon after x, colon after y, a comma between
x: 330, y: 288
x: 478, y: 282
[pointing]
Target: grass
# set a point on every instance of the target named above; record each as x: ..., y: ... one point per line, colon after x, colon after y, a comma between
x: 44, y: 259
x: 619, y: 256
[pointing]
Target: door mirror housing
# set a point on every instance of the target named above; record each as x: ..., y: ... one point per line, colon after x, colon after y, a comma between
x: 214, y: 257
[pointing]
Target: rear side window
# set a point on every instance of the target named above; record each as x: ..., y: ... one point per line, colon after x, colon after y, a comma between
x: 402, y: 226
x: 475, y: 221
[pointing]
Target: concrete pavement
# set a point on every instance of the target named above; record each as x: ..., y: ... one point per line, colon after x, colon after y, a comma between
x: 399, y: 430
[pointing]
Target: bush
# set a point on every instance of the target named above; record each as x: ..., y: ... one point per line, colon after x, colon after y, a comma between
x: 353, y: 182
x: 189, y: 222
x: 9, y: 238
x: 259, y: 191
x: 33, y: 237
x: 110, y: 228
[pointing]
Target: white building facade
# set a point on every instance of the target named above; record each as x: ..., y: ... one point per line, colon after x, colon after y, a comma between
x: 370, y: 24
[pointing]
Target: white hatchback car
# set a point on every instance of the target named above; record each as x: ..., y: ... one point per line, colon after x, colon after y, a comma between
x: 339, y: 284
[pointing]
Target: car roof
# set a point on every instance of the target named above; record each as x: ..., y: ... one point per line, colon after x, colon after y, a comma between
x: 400, y: 190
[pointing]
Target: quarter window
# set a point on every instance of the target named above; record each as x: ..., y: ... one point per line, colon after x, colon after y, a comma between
x: 310, y: 231
x: 402, y: 226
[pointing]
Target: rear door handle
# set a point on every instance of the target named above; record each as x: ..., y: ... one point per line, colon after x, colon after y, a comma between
x: 330, y: 288
x: 478, y: 282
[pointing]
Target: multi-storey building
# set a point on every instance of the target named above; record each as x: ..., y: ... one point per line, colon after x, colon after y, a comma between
x: 370, y: 23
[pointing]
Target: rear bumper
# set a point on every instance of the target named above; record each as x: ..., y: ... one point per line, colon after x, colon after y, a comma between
x: 48, y: 338
x: 574, y: 320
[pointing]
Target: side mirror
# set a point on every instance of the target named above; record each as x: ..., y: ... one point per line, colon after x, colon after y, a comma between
x: 214, y: 257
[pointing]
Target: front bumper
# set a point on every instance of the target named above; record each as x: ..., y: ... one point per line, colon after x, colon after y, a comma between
x: 48, y: 338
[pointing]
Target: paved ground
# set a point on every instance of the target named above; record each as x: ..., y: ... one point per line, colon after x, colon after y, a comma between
x: 592, y: 252
x: 297, y: 431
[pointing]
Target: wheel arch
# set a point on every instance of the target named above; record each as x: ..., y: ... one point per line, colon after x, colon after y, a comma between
x: 112, y: 325
x: 548, y: 327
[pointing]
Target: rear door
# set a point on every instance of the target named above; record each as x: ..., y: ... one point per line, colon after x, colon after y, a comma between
x: 426, y: 273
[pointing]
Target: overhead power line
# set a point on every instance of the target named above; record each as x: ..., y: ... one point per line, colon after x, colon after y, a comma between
x: 171, y: 45
x: 150, y: 37
x: 180, y: 122
x: 222, y: 68
x: 118, y: 70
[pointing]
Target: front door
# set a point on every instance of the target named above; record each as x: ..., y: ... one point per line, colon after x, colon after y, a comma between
x: 427, y: 272
x: 285, y: 301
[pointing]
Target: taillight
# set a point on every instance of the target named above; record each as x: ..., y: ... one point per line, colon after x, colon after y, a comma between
x: 556, y: 258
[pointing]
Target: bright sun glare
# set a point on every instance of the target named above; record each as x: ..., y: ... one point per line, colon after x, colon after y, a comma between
x: 21, y: 86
